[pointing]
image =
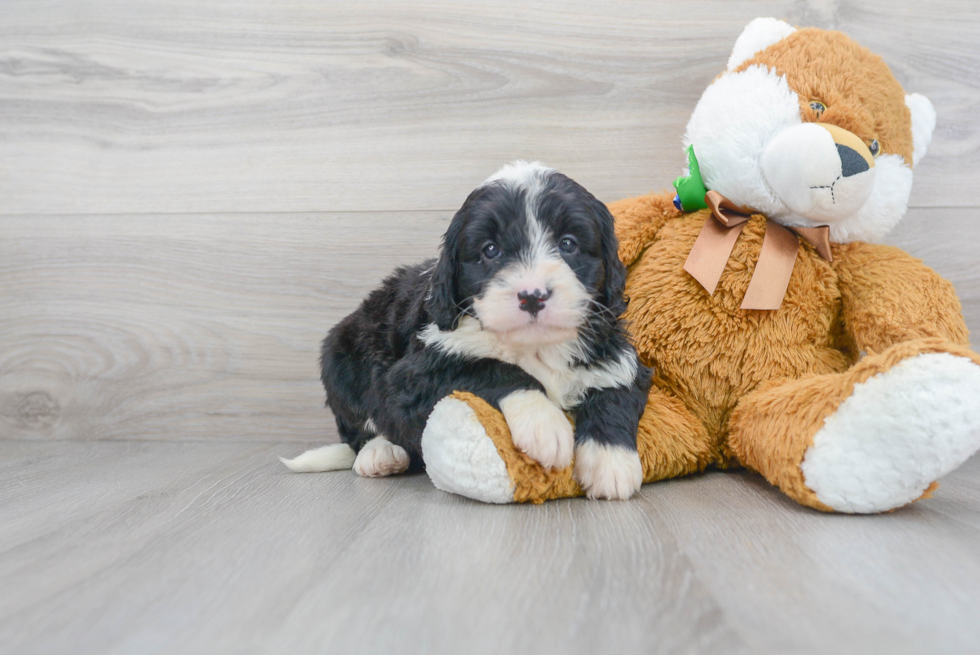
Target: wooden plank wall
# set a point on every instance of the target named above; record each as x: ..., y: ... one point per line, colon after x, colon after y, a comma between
x: 191, y: 193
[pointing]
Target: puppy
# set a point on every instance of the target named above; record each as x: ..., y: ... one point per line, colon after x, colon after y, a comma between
x: 521, y: 309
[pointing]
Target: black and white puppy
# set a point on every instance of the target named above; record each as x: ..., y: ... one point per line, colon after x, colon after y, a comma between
x: 521, y: 309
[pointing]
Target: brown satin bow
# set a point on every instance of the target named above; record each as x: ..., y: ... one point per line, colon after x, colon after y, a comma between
x: 714, y: 245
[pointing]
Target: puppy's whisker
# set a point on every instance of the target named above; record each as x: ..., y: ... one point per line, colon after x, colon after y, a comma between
x: 463, y: 309
x: 599, y: 309
x: 593, y: 301
x: 462, y: 313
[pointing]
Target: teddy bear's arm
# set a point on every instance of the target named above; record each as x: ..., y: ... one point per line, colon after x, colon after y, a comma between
x: 639, y: 219
x: 891, y: 297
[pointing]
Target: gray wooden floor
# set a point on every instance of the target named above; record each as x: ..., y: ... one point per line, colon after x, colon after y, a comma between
x: 175, y: 547
x: 192, y: 193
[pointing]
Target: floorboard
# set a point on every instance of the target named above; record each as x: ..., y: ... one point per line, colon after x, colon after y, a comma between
x: 110, y: 322
x: 163, y: 547
x: 109, y: 106
x: 192, y: 193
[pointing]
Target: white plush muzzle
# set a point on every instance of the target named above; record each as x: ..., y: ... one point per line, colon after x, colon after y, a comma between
x: 803, y: 166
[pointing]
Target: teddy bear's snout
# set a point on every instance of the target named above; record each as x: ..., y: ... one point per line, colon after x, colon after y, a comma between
x: 821, y: 172
x: 851, y: 161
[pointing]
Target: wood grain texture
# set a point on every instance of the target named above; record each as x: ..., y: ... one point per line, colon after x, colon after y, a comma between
x: 111, y: 106
x: 208, y: 327
x: 215, y: 548
x: 192, y: 193
x: 183, y: 327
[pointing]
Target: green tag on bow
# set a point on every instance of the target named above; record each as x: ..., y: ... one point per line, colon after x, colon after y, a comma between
x: 690, y: 188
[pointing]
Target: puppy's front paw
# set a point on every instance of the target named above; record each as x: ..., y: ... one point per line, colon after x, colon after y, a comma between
x: 539, y: 428
x: 379, y: 457
x: 610, y: 472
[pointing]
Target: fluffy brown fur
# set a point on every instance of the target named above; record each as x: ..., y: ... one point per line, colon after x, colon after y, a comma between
x: 710, y: 354
x: 745, y: 387
x: 738, y: 387
x: 859, y: 90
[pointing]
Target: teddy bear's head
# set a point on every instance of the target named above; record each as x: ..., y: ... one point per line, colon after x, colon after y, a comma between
x: 810, y: 128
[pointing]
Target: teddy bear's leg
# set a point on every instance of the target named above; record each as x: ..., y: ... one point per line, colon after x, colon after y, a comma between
x: 459, y: 454
x: 871, y: 439
x: 468, y: 451
x: 671, y: 441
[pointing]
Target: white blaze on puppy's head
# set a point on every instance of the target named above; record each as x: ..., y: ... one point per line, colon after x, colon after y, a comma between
x: 534, y: 296
x: 810, y: 128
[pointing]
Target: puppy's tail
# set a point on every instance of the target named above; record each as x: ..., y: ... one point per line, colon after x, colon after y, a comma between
x: 334, y: 457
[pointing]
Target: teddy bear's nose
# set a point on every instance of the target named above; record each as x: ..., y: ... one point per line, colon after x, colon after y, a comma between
x: 851, y: 162
x: 854, y: 154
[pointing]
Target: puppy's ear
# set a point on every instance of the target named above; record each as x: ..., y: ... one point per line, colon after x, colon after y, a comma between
x: 441, y: 301
x: 611, y: 294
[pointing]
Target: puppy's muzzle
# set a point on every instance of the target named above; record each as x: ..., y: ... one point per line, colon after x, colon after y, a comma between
x: 532, y: 301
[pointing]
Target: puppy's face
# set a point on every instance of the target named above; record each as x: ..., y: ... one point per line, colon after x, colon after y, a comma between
x: 530, y: 255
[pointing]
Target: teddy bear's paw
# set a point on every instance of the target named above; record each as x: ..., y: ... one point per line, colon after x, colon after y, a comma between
x: 539, y: 428
x: 461, y: 458
x: 897, y: 433
x: 609, y: 472
x: 379, y: 457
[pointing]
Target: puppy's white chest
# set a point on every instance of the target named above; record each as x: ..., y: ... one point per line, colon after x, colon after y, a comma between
x: 564, y: 384
x: 552, y: 365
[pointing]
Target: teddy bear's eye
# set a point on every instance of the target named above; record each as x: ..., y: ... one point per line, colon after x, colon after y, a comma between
x: 875, y: 148
x: 818, y: 107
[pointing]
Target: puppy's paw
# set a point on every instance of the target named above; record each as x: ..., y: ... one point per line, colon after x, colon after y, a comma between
x: 379, y: 457
x: 539, y: 428
x: 610, y: 472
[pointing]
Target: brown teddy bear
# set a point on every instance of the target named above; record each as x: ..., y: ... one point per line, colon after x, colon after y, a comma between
x: 780, y: 338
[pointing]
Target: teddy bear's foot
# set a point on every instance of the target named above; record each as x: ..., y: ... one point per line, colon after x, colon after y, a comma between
x: 870, y: 439
x: 468, y: 450
x: 896, y: 434
x: 460, y: 457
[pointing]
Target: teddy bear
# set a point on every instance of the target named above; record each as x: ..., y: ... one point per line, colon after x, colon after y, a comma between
x: 782, y: 338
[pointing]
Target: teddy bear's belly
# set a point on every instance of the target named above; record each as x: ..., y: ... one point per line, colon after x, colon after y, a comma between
x: 708, y: 351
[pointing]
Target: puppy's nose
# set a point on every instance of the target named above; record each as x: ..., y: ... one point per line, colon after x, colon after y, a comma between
x: 532, y: 301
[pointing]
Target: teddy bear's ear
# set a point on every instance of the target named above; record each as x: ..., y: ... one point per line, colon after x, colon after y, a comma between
x: 758, y: 35
x: 923, y: 124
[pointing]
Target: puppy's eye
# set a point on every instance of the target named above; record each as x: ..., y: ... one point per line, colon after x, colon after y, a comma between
x: 491, y: 251
x: 875, y: 148
x: 567, y: 245
x: 818, y: 107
